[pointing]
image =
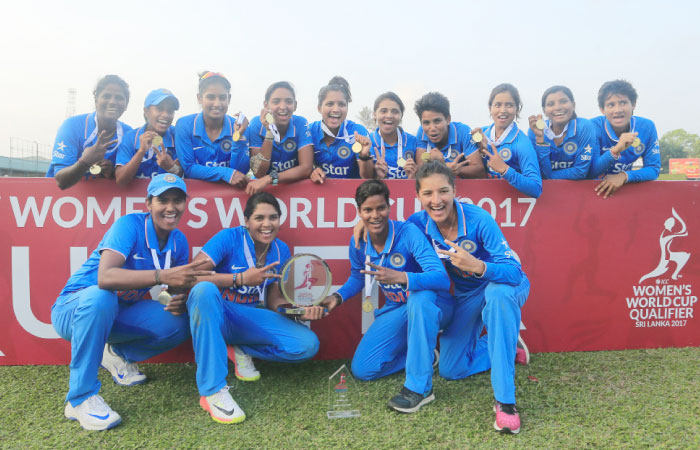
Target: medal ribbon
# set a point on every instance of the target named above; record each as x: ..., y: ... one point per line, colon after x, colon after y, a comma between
x: 156, y: 263
x: 550, y: 133
x: 492, y: 135
x: 370, y: 279
x: 90, y: 141
x: 346, y: 137
x: 399, y: 144
x: 251, y: 264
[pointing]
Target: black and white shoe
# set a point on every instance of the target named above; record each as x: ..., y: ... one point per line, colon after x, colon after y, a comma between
x: 409, y: 402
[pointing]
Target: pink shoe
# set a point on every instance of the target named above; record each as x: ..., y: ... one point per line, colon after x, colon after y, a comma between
x: 522, y: 354
x: 507, y: 418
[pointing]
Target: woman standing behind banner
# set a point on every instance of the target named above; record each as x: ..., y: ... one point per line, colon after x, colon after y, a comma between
x: 105, y: 312
x: 150, y: 150
x: 281, y: 150
x: 86, y: 144
x: 237, y: 306
x: 565, y: 143
x: 393, y: 149
x: 341, y: 147
x: 511, y: 155
x: 206, y: 142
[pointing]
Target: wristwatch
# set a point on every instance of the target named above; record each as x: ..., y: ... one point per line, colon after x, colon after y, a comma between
x: 275, y: 177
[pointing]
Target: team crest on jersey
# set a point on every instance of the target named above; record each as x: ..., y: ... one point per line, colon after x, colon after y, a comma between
x: 289, y: 145
x: 409, y: 155
x: 505, y: 154
x: 638, y: 150
x: 226, y: 145
x: 344, y: 151
x: 570, y: 148
x: 452, y: 154
x: 468, y: 245
x: 397, y: 260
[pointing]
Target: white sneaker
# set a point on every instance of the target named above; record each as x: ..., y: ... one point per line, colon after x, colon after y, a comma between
x: 243, y: 363
x: 123, y: 373
x: 222, y: 407
x: 93, y: 414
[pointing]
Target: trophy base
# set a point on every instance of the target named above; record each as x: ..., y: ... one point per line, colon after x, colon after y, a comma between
x: 343, y: 414
x: 291, y: 310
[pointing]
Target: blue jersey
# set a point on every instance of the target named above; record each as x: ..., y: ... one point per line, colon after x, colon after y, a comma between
x: 516, y: 151
x: 75, y: 135
x: 391, y: 152
x: 149, y: 167
x: 338, y: 159
x: 134, y: 237
x: 459, y: 140
x: 285, y: 154
x: 405, y: 250
x: 228, y: 250
x: 203, y: 159
x: 478, y: 234
x: 572, y: 159
x: 648, y: 149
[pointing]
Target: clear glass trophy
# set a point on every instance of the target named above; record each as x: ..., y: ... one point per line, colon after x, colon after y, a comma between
x: 340, y: 387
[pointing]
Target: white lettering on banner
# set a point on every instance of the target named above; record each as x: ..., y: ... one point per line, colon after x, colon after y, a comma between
x: 295, y: 213
x: 342, y: 203
x: 226, y: 216
x: 21, y: 215
x: 131, y: 202
x: 505, y: 205
x: 21, y: 297
x: 93, y: 208
x: 56, y: 212
x: 664, y: 304
x: 192, y: 208
x: 321, y: 221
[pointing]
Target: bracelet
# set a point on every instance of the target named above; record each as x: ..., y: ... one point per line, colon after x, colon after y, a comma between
x: 338, y: 296
x: 242, y: 279
x: 364, y: 158
x: 613, y: 155
x: 542, y: 144
x: 158, y: 276
x: 234, y: 280
x: 175, y: 169
x: 627, y: 178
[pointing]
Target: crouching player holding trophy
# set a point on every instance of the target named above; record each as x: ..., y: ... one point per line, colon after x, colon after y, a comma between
x: 398, y: 257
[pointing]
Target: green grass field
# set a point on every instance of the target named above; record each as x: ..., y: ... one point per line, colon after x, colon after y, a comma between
x: 624, y: 399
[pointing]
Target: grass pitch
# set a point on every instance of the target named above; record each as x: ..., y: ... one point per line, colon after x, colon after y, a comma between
x: 628, y: 399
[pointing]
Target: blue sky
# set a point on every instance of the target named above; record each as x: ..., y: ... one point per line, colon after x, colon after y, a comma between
x: 462, y: 49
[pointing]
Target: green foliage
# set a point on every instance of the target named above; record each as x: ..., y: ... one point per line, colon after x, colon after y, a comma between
x: 621, y: 399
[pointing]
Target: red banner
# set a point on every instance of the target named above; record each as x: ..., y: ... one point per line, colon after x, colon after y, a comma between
x: 616, y: 273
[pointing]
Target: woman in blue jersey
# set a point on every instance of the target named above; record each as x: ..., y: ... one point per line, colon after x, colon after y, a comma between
x: 281, y: 151
x: 211, y: 145
x: 86, y: 145
x: 489, y: 288
x: 397, y: 256
x: 565, y: 145
x: 440, y: 138
x: 144, y: 155
x: 623, y: 138
x: 237, y: 306
x: 105, y: 311
x: 393, y: 149
x: 333, y: 137
x: 511, y: 155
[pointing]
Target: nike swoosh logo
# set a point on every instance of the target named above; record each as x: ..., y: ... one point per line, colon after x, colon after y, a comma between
x: 120, y: 376
x: 196, y: 148
x: 105, y: 417
x: 228, y: 413
x: 237, y: 267
x: 138, y: 257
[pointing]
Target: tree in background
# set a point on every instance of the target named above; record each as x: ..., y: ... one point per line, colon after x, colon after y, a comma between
x: 678, y: 144
x: 366, y: 118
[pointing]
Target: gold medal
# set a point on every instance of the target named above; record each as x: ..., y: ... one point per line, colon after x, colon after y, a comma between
x: 425, y: 156
x: 236, y: 136
x: 636, y: 142
x: 269, y: 119
x: 400, y: 162
x: 95, y: 169
x: 164, y: 297
x: 540, y: 124
x: 367, y: 306
x: 357, y: 147
x: 477, y: 137
x: 157, y: 141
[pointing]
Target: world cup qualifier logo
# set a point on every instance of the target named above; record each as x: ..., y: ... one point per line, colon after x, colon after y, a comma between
x: 674, y: 227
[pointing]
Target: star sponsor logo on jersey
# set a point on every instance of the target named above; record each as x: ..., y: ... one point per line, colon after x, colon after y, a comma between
x: 226, y: 145
x: 666, y: 302
x: 397, y: 260
x: 344, y: 151
x: 60, y: 146
x: 468, y: 245
x: 505, y: 154
x: 570, y: 148
x: 289, y: 145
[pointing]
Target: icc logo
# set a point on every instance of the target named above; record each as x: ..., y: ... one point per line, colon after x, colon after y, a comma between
x: 668, y: 255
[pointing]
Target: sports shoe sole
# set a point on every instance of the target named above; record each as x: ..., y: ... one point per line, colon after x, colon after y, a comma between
x: 422, y: 403
x: 90, y: 428
x: 120, y: 383
x: 232, y: 356
x: 205, y: 406
x: 504, y: 429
